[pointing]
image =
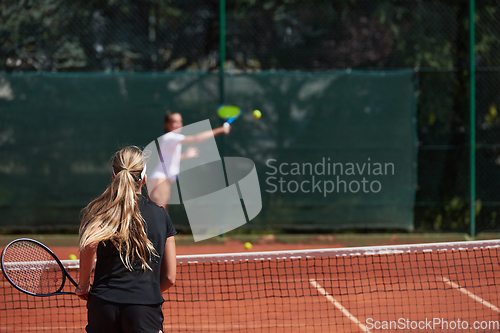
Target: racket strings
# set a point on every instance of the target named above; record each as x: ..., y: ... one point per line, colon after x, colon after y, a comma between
x: 32, y: 268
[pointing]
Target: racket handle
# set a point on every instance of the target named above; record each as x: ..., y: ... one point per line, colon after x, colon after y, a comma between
x: 230, y: 120
x: 226, y: 124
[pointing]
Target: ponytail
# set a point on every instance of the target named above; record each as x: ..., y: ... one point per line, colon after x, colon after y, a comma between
x: 115, y: 215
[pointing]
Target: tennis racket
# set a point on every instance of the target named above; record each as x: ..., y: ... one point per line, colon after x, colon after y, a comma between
x: 34, y: 269
x: 229, y: 113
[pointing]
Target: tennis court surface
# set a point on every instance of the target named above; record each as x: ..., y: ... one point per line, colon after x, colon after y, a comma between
x: 440, y: 287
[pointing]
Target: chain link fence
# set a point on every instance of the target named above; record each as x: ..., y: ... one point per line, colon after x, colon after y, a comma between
x: 299, y: 35
x: 487, y: 117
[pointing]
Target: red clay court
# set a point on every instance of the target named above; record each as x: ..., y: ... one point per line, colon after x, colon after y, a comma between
x: 441, y: 287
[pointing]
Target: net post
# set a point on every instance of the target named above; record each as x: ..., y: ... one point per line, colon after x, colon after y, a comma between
x: 472, y: 86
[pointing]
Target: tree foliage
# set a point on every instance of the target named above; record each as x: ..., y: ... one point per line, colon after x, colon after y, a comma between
x: 173, y: 35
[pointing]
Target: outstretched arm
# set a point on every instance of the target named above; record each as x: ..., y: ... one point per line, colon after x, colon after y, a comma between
x: 203, y: 136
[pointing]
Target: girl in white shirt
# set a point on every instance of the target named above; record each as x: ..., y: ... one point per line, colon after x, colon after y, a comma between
x: 164, y: 175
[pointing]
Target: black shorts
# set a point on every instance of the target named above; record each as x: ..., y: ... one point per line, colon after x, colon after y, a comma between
x: 109, y: 317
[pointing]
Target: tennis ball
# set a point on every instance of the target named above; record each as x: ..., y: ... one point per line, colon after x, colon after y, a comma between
x: 257, y: 114
x: 248, y: 245
x: 72, y: 257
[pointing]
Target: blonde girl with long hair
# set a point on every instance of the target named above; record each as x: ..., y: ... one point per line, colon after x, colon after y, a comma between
x: 131, y: 241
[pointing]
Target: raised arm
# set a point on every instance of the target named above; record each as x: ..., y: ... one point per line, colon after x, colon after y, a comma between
x: 168, y: 265
x: 203, y: 136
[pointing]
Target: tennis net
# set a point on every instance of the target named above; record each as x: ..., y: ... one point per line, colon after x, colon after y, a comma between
x: 430, y: 287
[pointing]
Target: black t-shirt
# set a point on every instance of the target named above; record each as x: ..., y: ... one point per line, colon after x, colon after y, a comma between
x: 114, y: 282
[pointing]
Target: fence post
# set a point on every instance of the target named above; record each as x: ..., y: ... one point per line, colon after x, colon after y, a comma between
x: 222, y: 42
x: 472, y: 78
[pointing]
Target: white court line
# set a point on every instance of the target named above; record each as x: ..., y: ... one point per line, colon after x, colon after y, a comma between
x: 339, y: 306
x: 471, y: 295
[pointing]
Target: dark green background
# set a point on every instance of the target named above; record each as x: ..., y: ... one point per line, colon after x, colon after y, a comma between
x: 59, y: 132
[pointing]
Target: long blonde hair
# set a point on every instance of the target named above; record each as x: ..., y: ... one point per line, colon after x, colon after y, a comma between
x: 115, y: 215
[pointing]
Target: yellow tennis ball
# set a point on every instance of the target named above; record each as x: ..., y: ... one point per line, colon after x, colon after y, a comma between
x: 72, y: 257
x: 257, y: 114
x: 248, y: 245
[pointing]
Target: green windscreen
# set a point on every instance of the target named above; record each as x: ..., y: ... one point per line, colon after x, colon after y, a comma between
x: 333, y: 150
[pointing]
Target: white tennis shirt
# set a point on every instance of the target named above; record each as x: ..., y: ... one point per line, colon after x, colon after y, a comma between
x: 171, y: 149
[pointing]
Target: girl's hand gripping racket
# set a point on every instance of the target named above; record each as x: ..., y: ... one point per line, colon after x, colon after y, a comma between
x: 34, y: 269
